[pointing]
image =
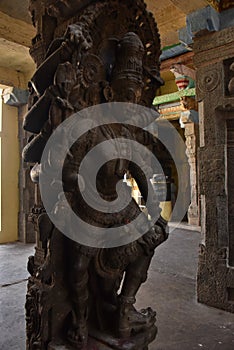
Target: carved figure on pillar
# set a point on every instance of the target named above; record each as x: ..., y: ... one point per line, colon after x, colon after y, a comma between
x: 89, y: 53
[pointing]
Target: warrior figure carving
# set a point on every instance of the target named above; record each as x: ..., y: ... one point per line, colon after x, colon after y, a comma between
x: 89, y: 53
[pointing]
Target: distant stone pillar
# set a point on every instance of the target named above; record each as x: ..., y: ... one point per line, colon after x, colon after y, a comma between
x: 214, y: 59
x: 191, y: 135
x: 26, y: 188
x: 19, y: 98
x: 185, y: 78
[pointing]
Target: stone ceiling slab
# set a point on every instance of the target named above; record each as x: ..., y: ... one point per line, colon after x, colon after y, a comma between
x: 16, y: 30
x: 15, y: 57
x: 16, y: 9
x: 188, y: 6
x: 15, y: 27
x: 170, y: 15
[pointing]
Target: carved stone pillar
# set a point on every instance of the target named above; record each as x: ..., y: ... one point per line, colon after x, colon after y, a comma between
x: 18, y: 98
x: 214, y: 57
x: 184, y: 78
x: 191, y: 135
x: 89, y: 52
x: 26, y: 187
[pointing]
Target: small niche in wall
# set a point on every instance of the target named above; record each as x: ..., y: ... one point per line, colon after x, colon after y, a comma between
x: 229, y: 77
x: 230, y: 292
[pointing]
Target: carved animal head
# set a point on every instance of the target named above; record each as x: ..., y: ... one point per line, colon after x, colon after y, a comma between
x: 127, y: 74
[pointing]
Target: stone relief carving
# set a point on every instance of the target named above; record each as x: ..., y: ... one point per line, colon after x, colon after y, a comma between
x: 88, y: 53
x: 209, y: 81
x: 231, y: 81
x: 215, y: 111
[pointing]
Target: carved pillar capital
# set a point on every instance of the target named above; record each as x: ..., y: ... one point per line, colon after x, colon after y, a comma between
x: 15, y: 97
x: 188, y: 103
x: 184, y: 76
x: 207, y: 20
x: 188, y: 116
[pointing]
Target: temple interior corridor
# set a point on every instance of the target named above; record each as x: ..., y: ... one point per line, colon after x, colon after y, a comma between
x: 59, y: 57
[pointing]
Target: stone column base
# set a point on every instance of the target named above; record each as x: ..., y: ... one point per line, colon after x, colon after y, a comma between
x: 101, y: 341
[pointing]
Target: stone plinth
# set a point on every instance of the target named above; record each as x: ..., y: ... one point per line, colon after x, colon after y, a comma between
x: 102, y: 341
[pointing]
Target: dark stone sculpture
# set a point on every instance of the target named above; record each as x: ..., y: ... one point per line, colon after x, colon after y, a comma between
x: 88, y: 53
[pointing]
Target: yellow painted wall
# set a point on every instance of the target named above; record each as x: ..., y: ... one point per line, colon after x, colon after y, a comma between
x: 169, y: 86
x: 9, y: 174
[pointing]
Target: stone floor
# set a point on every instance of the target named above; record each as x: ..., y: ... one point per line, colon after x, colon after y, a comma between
x: 183, y: 324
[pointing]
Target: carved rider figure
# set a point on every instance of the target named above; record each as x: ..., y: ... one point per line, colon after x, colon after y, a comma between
x: 110, y: 264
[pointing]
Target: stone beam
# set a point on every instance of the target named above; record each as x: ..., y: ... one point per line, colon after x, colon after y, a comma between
x: 175, y: 96
x: 10, y: 77
x: 16, y: 57
x: 168, y: 37
x: 189, y: 6
x: 163, y: 13
x: 164, y: 19
x: 15, y: 30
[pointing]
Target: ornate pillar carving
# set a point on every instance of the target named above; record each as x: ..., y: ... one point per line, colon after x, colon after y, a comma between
x: 26, y: 187
x: 184, y: 77
x: 213, y: 58
x: 191, y: 134
x: 19, y: 98
x: 81, y: 293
